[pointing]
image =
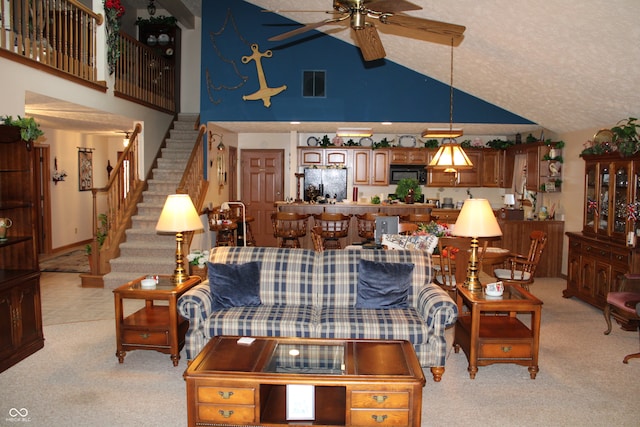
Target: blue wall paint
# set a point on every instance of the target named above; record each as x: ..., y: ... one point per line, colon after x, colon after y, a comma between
x: 355, y: 91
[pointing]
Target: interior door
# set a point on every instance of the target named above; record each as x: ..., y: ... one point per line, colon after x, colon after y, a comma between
x: 43, y: 207
x: 262, y: 185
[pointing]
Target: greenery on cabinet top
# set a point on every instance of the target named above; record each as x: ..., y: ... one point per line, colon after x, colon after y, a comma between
x: 623, y: 138
x: 29, y: 128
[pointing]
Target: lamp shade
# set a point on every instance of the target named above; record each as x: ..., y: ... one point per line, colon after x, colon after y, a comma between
x: 476, y: 219
x: 509, y: 199
x: 178, y: 215
x: 450, y: 156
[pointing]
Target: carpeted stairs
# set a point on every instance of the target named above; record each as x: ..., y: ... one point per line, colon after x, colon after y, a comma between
x: 145, y: 251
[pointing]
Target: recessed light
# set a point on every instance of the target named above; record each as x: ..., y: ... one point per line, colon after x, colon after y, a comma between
x: 294, y: 123
x: 387, y: 123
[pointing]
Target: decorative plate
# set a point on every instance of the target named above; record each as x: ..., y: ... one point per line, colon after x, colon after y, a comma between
x: 366, y: 141
x: 312, y: 141
x: 603, y: 136
x: 407, y: 141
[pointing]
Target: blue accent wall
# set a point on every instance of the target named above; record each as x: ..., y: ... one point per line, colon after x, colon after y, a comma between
x: 356, y: 91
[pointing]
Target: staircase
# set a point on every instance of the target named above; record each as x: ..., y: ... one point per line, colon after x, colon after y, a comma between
x: 145, y: 251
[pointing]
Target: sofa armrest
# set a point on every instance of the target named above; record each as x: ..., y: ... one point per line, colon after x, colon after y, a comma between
x: 195, y: 305
x: 436, y: 307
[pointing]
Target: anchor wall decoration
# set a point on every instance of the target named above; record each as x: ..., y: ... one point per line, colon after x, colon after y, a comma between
x: 265, y: 92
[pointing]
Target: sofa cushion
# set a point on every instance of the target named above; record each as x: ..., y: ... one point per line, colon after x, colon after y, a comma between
x: 234, y: 285
x: 353, y: 322
x: 263, y: 320
x: 383, y: 284
x: 427, y: 242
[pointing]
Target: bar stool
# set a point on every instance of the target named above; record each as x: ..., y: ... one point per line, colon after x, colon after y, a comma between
x: 316, y: 236
x: 418, y: 218
x: 236, y: 215
x: 334, y: 227
x: 288, y: 227
x: 367, y: 226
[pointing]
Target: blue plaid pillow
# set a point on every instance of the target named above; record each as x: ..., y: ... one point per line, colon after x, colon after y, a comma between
x: 383, y: 284
x: 234, y: 285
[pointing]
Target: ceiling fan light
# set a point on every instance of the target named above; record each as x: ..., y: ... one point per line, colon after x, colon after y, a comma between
x: 442, y: 133
x: 354, y: 132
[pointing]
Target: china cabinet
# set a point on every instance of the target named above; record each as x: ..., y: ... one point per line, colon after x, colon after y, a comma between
x: 20, y: 310
x: 606, y: 248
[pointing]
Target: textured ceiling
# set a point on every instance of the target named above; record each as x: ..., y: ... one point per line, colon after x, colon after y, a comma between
x: 568, y: 65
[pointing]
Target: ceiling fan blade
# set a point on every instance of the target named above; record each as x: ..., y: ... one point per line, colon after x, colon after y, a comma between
x: 392, y: 6
x: 301, y: 30
x: 369, y: 42
x: 442, y: 28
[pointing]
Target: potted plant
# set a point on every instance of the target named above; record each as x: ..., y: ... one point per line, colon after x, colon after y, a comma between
x: 625, y: 137
x: 198, y: 263
x: 101, y: 234
x: 29, y: 128
x: 406, y: 184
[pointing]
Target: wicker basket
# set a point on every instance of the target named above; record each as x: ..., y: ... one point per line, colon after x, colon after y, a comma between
x: 199, y: 271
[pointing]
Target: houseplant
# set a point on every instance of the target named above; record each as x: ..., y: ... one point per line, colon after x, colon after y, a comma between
x: 626, y: 138
x: 198, y: 263
x: 29, y: 128
x: 408, y: 183
x: 101, y: 234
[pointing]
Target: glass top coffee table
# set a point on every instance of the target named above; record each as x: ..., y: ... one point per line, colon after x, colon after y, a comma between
x: 329, y: 381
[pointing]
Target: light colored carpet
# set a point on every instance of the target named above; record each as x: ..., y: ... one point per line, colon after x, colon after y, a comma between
x: 77, y: 380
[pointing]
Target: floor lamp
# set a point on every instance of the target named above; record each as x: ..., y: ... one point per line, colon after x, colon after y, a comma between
x: 225, y: 207
x: 178, y: 216
x: 476, y: 219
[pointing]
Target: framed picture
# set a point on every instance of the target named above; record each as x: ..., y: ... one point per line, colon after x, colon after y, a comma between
x: 300, y: 402
x: 85, y: 170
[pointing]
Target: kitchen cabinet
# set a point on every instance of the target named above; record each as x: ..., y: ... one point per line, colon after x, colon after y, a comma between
x: 370, y: 167
x: 322, y: 156
x: 409, y: 156
x: 464, y: 178
x: 543, y: 166
x: 493, y: 165
x: 606, y: 248
x: 20, y: 309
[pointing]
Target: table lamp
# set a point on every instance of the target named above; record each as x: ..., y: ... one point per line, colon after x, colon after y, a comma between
x: 178, y: 215
x: 509, y: 200
x: 476, y: 219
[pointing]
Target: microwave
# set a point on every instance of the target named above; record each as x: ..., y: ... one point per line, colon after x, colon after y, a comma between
x: 398, y: 172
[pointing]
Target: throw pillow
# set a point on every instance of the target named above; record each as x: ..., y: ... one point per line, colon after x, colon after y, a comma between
x: 425, y: 243
x: 383, y: 284
x: 234, y: 285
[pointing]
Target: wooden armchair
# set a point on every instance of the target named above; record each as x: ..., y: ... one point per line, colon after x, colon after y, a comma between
x: 520, y: 269
x: 334, y: 227
x: 624, y: 305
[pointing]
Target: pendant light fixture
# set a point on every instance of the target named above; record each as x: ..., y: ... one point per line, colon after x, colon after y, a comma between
x: 450, y: 157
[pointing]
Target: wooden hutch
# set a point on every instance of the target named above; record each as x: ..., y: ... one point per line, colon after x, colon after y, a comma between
x: 607, y: 247
x: 20, y: 311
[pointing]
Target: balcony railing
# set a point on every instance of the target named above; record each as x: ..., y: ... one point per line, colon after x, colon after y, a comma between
x: 59, y: 36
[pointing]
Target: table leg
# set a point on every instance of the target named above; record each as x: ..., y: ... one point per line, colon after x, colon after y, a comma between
x: 120, y: 353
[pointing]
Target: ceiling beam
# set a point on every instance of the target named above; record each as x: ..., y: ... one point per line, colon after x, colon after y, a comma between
x: 178, y: 10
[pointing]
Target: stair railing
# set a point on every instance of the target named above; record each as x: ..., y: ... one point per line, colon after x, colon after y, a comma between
x: 123, y: 191
x: 193, y: 180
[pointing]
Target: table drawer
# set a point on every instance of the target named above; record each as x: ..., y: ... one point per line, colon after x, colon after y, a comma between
x: 142, y: 337
x: 226, y: 395
x: 379, y: 399
x: 379, y: 417
x: 505, y: 350
x: 228, y: 414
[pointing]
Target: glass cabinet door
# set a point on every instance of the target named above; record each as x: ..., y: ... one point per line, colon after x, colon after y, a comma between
x: 591, y: 207
x: 602, y: 214
x: 634, y: 207
x: 620, y: 199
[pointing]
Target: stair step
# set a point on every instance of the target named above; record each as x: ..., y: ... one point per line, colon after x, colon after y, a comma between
x: 130, y: 250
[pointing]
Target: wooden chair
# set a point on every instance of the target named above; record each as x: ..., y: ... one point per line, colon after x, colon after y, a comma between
x: 451, y: 269
x: 624, y: 305
x: 407, y: 228
x: 520, y: 269
x: 316, y: 237
x: 367, y: 226
x: 334, y: 227
x: 289, y: 227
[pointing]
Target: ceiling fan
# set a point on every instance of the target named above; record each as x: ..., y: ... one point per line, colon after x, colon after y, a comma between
x: 361, y: 13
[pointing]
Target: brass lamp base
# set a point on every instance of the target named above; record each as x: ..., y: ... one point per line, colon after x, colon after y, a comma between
x: 179, y: 274
x: 473, y: 282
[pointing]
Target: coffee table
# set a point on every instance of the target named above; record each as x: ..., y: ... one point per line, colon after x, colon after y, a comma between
x: 273, y: 381
x: 488, y: 330
x: 155, y: 326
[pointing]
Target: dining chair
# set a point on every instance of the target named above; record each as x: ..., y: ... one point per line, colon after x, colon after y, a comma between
x: 366, y: 226
x: 624, y: 305
x: 407, y: 228
x: 520, y: 269
x: 289, y: 227
x: 335, y: 226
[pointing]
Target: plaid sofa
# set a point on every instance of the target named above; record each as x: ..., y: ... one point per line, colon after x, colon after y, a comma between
x: 313, y: 294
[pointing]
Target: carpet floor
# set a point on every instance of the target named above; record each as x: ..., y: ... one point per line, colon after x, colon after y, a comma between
x: 77, y: 380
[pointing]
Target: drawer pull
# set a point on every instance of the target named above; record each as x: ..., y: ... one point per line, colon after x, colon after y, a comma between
x: 145, y: 336
x: 225, y: 414
x: 225, y: 394
x: 380, y: 399
x: 506, y: 349
x: 379, y: 418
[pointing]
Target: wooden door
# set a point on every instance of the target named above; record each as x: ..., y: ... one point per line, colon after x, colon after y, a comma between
x: 43, y: 206
x: 262, y: 185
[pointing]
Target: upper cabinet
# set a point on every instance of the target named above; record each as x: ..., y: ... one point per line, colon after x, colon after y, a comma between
x: 370, y: 167
x: 409, y: 156
x: 543, y: 164
x: 322, y: 156
x: 474, y: 177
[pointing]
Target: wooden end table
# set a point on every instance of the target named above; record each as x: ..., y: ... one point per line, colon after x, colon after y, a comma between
x: 489, y: 332
x: 153, y: 327
x: 354, y: 382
